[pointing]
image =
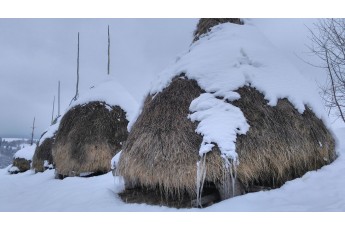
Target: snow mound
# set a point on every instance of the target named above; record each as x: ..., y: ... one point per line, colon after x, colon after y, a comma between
x: 209, y: 111
x: 231, y: 56
x: 13, y: 169
x: 112, y: 93
x: 115, y: 160
x: 49, y: 133
x: 26, y: 153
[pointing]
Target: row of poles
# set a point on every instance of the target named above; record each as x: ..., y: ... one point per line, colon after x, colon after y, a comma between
x: 53, y: 120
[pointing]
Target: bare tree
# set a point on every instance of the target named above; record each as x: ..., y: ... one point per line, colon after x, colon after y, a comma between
x: 328, y: 43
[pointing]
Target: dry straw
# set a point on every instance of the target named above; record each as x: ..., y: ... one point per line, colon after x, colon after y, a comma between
x: 43, y: 153
x: 88, y: 137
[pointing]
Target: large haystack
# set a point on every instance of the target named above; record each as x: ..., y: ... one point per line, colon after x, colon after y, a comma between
x: 162, y: 151
x: 43, y: 158
x: 88, y: 137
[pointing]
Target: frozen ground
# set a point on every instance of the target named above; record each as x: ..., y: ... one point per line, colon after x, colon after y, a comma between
x: 321, y: 190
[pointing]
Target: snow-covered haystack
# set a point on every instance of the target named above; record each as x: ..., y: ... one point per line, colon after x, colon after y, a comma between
x: 229, y: 117
x: 22, y: 159
x: 43, y: 158
x: 205, y: 24
x: 93, y: 130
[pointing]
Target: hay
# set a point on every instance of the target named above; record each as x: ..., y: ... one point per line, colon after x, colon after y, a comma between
x: 162, y: 149
x: 88, y: 137
x: 205, y: 25
x: 43, y: 153
x: 22, y: 164
x: 281, y: 144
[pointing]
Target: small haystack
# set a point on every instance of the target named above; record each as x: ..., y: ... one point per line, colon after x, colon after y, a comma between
x: 89, y: 135
x: 168, y: 161
x: 43, y: 159
x: 22, y: 159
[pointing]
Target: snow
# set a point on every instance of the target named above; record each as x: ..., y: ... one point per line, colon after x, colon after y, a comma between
x: 209, y: 111
x: 26, y: 153
x: 115, y: 160
x: 47, y: 165
x: 321, y: 190
x: 10, y: 139
x: 49, y: 133
x: 113, y: 93
x: 227, y: 58
x: 13, y: 169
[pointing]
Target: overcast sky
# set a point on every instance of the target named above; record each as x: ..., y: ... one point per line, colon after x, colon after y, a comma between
x: 37, y: 53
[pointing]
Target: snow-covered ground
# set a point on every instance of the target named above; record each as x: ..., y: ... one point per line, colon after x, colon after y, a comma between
x: 321, y: 190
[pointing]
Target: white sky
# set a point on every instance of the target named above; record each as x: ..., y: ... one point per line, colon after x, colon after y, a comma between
x: 36, y: 53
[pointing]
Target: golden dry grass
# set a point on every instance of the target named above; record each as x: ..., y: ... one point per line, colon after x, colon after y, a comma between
x: 43, y: 153
x: 281, y: 144
x: 22, y: 164
x: 88, y: 137
x: 162, y: 149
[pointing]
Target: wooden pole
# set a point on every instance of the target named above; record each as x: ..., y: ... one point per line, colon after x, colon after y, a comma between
x: 53, y: 111
x: 59, y: 100
x: 108, y: 51
x: 32, y: 134
x: 77, y: 93
x: 77, y: 85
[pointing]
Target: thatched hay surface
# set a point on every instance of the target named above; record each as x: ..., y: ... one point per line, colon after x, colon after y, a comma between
x: 205, y: 25
x: 22, y: 164
x: 281, y: 144
x: 88, y: 137
x: 162, y: 147
x: 43, y: 153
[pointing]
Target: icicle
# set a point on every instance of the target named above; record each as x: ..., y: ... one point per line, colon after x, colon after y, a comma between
x: 234, y: 164
x: 200, y: 178
x: 229, y: 174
